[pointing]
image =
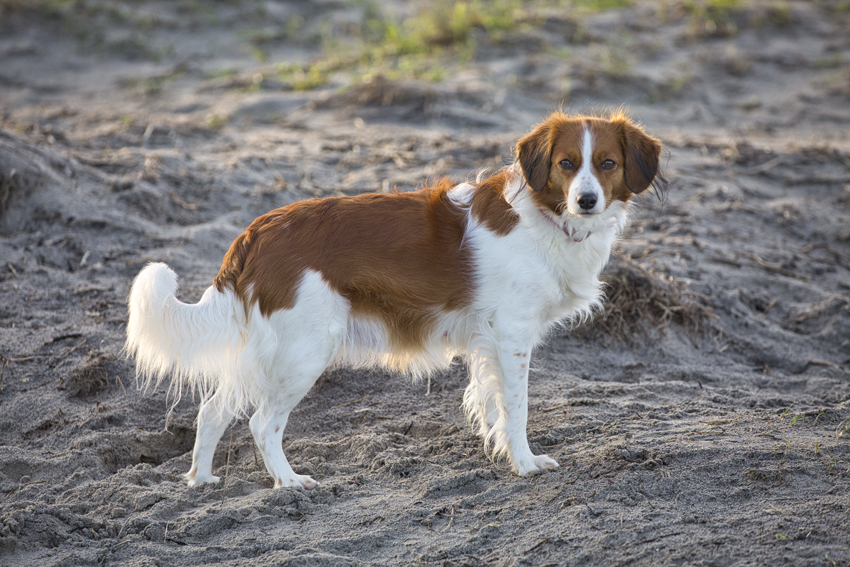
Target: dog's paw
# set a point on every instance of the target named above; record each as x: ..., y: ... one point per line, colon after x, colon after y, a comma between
x: 545, y: 463
x: 194, y: 479
x: 538, y: 464
x: 296, y: 481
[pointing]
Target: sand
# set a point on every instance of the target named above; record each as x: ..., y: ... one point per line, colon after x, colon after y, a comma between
x: 156, y: 131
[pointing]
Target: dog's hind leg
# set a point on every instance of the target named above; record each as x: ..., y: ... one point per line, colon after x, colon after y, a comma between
x: 213, y: 419
x: 297, y: 375
x: 267, y: 425
x: 308, y: 338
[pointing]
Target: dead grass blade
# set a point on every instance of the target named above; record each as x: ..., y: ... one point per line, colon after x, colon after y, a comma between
x: 639, y: 300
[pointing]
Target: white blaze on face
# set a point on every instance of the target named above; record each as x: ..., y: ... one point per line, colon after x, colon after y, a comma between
x: 585, y: 189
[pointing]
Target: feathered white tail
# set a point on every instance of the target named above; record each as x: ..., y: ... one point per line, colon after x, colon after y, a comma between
x: 199, y: 345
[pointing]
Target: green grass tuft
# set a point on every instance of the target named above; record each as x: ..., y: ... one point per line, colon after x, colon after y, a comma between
x: 421, y: 46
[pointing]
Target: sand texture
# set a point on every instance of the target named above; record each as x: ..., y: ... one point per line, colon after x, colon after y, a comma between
x: 703, y: 419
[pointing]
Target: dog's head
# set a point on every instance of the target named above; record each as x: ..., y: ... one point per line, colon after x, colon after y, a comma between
x: 580, y: 165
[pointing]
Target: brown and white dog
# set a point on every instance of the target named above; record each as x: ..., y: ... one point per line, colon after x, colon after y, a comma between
x: 403, y: 281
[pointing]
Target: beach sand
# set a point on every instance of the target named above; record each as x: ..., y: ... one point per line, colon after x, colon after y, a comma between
x: 704, y: 419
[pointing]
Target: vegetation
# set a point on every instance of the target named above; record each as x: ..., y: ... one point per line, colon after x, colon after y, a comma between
x: 424, y: 40
x: 419, y: 46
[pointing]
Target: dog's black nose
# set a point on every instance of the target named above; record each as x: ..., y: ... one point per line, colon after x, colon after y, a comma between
x: 587, y: 201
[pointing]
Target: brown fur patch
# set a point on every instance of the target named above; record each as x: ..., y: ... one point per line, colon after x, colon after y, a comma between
x: 491, y: 208
x: 641, y: 155
x: 396, y: 257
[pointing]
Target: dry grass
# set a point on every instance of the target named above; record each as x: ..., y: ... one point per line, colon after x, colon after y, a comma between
x: 91, y: 378
x: 639, y: 301
x: 9, y: 183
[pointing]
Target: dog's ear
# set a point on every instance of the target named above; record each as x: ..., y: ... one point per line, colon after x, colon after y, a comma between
x: 642, y: 153
x: 534, y: 152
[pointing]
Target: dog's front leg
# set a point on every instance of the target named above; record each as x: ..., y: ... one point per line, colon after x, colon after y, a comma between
x: 509, y: 433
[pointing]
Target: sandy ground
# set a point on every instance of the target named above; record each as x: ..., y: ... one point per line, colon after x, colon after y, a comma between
x: 156, y: 131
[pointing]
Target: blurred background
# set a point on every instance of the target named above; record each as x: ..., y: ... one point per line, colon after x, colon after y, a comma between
x: 748, y: 67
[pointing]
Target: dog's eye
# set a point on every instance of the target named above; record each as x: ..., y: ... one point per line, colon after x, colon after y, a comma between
x: 567, y: 164
x: 608, y: 164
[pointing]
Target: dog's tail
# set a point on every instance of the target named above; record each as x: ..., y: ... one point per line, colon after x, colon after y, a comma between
x: 199, y: 345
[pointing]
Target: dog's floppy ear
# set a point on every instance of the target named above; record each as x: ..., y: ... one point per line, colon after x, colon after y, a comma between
x: 534, y: 152
x: 642, y: 153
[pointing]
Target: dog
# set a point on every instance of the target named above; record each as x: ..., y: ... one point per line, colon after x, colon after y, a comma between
x: 402, y: 281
